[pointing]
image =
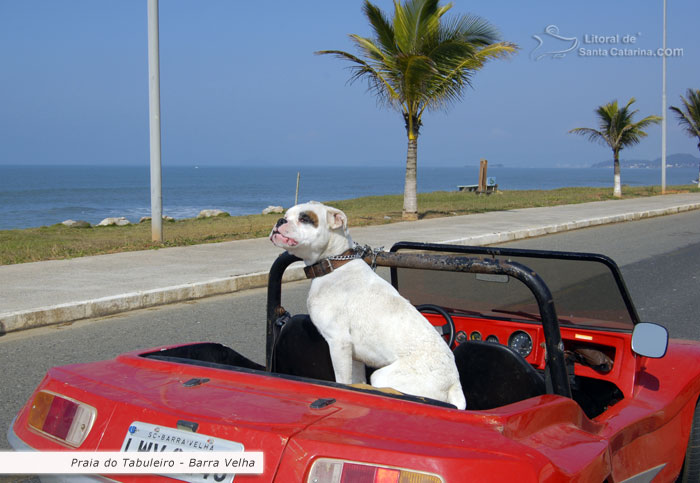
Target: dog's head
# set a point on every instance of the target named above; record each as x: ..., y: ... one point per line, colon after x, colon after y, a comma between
x: 312, y: 231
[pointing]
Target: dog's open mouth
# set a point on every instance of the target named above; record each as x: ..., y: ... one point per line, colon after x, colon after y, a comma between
x: 279, y: 239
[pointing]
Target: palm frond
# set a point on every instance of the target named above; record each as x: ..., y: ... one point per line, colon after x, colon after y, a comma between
x: 647, y: 121
x: 686, y: 122
x: 402, y: 28
x: 633, y: 132
x: 456, y: 74
x: 418, y: 73
x: 370, y: 49
x: 381, y: 26
x: 424, y: 17
x: 593, y: 135
x: 472, y: 29
x: 500, y: 50
x: 689, y: 116
x: 377, y: 82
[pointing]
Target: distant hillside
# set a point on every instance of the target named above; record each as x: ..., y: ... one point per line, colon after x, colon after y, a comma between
x: 684, y: 160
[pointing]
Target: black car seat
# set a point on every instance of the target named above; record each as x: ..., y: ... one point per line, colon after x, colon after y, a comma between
x: 494, y: 375
x: 300, y: 350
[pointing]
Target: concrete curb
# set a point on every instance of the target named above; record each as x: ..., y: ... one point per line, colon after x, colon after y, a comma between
x: 86, y: 309
x: 508, y: 236
x: 70, y: 312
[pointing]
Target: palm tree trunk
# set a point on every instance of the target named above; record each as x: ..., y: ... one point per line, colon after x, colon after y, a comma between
x: 410, y: 201
x: 617, y: 190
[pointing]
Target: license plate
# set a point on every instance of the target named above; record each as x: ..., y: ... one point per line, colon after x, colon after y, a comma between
x: 149, y: 438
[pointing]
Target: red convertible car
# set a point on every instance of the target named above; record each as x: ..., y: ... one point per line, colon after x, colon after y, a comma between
x: 562, y: 380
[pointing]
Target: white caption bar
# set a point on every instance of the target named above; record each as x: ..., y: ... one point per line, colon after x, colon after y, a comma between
x: 82, y: 462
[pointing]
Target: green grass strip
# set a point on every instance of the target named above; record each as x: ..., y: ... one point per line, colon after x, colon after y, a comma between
x: 60, y: 242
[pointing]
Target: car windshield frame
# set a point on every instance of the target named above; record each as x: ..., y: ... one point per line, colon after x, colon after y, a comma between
x: 588, y: 288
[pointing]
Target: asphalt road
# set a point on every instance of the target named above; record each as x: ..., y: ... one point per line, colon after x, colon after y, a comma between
x: 660, y: 262
x: 659, y: 258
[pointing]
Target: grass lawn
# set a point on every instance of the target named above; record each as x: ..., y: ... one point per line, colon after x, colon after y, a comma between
x: 58, y: 241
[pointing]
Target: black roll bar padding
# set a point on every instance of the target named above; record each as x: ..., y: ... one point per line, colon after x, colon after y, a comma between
x: 274, y: 301
x: 555, y: 362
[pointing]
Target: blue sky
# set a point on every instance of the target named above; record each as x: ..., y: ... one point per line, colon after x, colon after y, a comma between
x: 240, y: 84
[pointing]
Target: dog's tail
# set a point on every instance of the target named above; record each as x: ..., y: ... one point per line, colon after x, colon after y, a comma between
x: 456, y: 396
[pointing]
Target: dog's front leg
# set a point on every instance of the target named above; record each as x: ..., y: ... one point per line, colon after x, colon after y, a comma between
x: 341, y: 356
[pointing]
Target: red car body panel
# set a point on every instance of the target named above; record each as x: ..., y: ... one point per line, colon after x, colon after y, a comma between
x: 545, y: 438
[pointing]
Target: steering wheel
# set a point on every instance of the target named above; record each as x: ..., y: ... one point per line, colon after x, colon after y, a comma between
x: 444, y: 330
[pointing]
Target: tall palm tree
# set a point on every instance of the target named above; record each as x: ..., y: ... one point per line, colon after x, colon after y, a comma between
x: 617, y: 130
x: 689, y: 116
x: 418, y: 61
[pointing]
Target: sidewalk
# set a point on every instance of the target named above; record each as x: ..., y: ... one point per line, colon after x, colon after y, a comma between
x: 44, y: 293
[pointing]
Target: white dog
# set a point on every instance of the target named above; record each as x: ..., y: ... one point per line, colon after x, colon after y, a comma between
x: 361, y: 316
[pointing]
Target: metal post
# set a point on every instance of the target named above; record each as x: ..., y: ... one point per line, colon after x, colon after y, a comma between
x: 663, y: 109
x: 483, y: 167
x: 154, y: 122
x: 296, y: 194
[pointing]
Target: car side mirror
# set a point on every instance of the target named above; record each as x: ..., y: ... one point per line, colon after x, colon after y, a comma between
x: 649, y: 340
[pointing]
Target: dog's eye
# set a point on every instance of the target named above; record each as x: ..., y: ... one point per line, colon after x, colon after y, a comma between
x: 308, y: 217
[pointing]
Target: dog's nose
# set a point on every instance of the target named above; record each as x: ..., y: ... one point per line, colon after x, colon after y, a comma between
x: 280, y: 222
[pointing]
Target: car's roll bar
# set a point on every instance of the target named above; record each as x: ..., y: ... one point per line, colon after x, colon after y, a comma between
x: 555, y: 361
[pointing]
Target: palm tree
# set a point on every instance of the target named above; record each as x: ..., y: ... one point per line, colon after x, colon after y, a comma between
x: 617, y: 130
x: 689, y: 117
x: 418, y: 61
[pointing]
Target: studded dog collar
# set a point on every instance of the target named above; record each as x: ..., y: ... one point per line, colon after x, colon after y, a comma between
x: 327, y: 265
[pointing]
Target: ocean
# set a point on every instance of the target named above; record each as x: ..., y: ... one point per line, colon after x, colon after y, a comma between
x: 32, y: 196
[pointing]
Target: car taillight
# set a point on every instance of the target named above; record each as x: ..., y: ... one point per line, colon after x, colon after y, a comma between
x: 64, y: 419
x: 326, y: 470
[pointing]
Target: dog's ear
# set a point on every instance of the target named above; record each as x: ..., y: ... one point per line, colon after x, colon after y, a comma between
x: 336, y: 219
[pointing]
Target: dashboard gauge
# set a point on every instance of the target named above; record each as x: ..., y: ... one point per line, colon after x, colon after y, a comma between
x: 461, y: 337
x: 493, y: 339
x: 521, y: 342
x: 476, y: 335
